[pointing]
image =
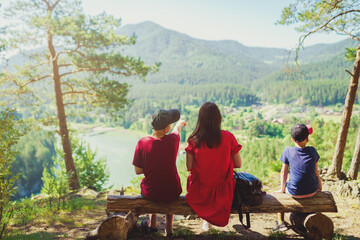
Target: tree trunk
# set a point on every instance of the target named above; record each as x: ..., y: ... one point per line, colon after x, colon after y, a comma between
x: 354, y: 168
x: 335, y: 168
x: 64, y: 133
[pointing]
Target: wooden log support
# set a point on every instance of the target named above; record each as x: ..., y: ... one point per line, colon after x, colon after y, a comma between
x: 115, y: 227
x: 319, y: 227
x: 273, y: 203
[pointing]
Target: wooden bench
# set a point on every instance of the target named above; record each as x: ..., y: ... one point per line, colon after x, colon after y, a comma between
x: 273, y: 203
x: 117, y: 226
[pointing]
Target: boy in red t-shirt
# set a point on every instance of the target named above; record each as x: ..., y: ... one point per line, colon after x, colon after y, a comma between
x: 155, y: 157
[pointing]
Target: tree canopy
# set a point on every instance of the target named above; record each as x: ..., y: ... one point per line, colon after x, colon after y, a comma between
x: 80, y: 55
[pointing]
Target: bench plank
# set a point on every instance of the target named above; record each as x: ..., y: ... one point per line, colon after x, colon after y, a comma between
x: 273, y: 203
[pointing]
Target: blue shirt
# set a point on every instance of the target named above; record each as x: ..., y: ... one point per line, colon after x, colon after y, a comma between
x: 302, y: 164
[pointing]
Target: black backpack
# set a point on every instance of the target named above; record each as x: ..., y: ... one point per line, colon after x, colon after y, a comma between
x: 248, y: 192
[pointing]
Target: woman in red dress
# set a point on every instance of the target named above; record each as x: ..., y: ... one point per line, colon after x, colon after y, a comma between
x: 211, y: 155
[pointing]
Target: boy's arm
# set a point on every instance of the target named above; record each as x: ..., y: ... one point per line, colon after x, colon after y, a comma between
x: 318, y: 176
x: 283, y: 176
x: 138, y: 170
x: 178, y: 126
x: 189, y: 161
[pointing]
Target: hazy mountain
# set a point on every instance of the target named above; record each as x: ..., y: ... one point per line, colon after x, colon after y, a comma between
x: 187, y: 60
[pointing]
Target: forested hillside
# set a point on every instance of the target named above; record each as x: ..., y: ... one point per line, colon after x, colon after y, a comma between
x: 193, y: 71
x: 226, y: 72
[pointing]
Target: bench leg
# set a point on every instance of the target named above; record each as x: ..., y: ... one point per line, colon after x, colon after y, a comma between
x: 319, y: 226
x: 116, y: 226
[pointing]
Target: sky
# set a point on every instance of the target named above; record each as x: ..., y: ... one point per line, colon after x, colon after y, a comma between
x: 251, y: 23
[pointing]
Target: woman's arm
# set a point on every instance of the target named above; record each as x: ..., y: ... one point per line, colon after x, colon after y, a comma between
x: 318, y: 176
x: 138, y: 170
x: 283, y: 176
x: 189, y: 161
x: 237, y: 160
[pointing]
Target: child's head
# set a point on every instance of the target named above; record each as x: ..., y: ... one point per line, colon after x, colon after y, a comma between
x: 162, y: 119
x: 300, y: 133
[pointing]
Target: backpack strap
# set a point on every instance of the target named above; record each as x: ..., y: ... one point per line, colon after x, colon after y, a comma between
x: 239, y: 207
x: 247, y: 225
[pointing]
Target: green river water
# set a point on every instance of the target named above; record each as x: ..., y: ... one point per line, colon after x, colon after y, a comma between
x: 117, y: 147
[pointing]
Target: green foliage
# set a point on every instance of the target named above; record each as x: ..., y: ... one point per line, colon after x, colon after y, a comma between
x: 326, y: 16
x: 87, y: 52
x: 55, y: 186
x: 10, y: 133
x: 350, y: 54
x: 278, y: 235
x: 35, y: 153
x: 93, y: 172
x: 32, y: 210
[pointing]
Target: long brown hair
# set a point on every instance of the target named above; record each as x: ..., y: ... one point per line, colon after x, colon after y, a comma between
x: 208, y: 126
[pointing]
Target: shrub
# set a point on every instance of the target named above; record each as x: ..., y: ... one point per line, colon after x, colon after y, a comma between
x: 93, y: 171
x: 10, y: 132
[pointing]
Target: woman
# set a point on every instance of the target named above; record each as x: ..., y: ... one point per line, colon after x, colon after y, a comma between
x: 211, y: 155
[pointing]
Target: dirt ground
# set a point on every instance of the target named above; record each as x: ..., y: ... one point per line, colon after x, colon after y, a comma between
x: 346, y: 222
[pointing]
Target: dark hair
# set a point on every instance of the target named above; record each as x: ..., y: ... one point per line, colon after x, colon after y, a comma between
x: 299, y: 132
x: 207, y: 130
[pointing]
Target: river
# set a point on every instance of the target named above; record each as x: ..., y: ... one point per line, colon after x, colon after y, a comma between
x: 118, y: 147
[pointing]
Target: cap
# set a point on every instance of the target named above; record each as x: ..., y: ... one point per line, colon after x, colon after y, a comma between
x: 300, y: 132
x: 162, y: 118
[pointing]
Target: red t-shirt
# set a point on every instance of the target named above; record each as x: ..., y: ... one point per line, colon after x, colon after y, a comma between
x: 210, y: 185
x: 157, y: 156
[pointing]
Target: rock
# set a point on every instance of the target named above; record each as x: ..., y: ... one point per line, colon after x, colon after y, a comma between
x: 39, y: 197
x: 191, y: 217
x: 355, y: 189
x: 113, y: 192
x: 86, y: 192
x: 346, y: 190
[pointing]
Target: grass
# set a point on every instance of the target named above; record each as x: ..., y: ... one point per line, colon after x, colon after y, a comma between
x: 31, y: 236
x: 184, y: 232
x: 277, y: 235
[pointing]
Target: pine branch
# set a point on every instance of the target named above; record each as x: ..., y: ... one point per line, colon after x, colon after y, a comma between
x: 95, y: 70
x: 76, y: 92
x: 327, y: 22
x: 66, y: 65
x: 33, y: 80
x: 70, y: 103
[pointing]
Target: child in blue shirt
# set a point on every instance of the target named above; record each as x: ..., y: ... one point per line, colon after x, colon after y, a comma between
x: 304, y: 180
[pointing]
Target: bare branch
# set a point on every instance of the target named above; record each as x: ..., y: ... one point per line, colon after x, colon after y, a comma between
x: 47, y: 4
x: 34, y: 80
x: 68, y: 84
x: 66, y: 65
x: 54, y: 5
x: 70, y: 103
x: 69, y: 51
x: 37, y: 65
x: 347, y: 33
x: 349, y: 72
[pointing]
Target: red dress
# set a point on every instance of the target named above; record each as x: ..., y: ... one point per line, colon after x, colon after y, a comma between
x: 210, y: 185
